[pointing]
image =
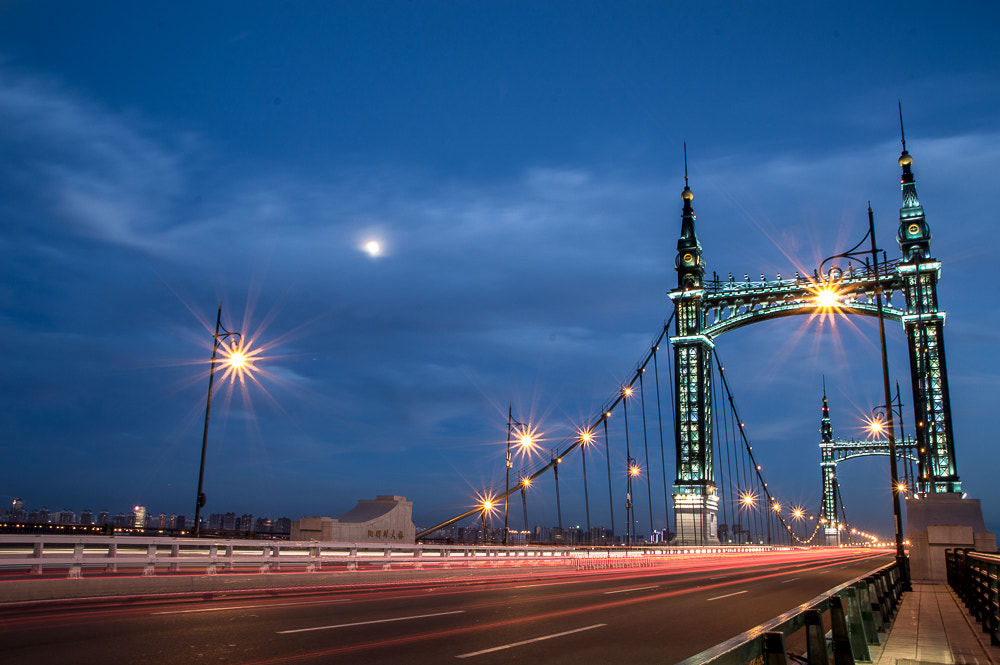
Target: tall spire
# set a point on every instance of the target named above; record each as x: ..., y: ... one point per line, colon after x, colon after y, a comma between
x: 689, y: 263
x: 914, y: 235
x: 826, y: 428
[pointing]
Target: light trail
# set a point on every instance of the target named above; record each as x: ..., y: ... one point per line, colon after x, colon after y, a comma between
x: 261, y: 606
x: 546, y: 616
x: 641, y: 588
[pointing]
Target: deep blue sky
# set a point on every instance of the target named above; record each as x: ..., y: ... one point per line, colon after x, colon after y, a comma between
x: 521, y: 164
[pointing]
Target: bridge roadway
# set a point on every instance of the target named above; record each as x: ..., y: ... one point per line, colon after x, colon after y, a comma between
x: 657, y: 614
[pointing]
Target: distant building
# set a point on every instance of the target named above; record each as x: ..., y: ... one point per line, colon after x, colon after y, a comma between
x: 387, y: 519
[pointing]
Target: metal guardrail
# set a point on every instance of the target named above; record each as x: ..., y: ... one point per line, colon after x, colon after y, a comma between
x: 857, y: 611
x: 39, y: 554
x: 974, y: 578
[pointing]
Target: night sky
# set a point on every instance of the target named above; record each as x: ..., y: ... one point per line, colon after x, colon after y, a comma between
x: 520, y: 166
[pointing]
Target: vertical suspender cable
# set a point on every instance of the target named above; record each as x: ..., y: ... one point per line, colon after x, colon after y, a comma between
x: 586, y: 496
x: 629, y: 504
x: 611, y: 500
x: 663, y: 459
x: 722, y: 458
x: 673, y: 412
x: 645, y: 445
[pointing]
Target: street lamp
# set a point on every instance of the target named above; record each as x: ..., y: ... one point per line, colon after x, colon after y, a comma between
x: 633, y: 471
x: 896, y: 510
x: 525, y: 441
x: 236, y: 359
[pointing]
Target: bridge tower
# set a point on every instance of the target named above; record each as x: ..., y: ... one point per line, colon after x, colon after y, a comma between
x: 696, y: 503
x: 828, y: 465
x: 923, y: 322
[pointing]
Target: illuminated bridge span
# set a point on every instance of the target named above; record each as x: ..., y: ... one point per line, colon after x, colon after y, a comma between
x: 714, y: 458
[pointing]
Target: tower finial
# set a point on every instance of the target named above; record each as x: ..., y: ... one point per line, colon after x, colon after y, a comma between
x: 902, y: 134
x: 685, y: 164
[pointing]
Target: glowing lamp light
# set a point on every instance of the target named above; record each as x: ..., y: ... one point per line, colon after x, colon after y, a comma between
x: 627, y: 391
x: 827, y: 297
x: 633, y: 470
x: 237, y: 359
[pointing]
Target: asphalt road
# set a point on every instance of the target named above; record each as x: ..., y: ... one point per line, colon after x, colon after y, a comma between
x: 659, y: 614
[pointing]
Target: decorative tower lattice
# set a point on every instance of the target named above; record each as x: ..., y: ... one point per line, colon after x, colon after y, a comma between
x: 924, y: 326
x: 828, y: 466
x: 695, y: 501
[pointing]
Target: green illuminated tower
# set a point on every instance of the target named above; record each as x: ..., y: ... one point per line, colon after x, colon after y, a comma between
x: 924, y: 325
x: 696, y: 503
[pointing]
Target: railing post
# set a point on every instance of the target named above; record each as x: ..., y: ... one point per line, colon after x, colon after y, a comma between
x: 446, y: 555
x: 387, y: 558
x: 36, y: 552
x: 418, y: 556
x: 865, y: 611
x: 229, y: 563
x: 175, y: 553
x: 815, y: 639
x: 885, y: 597
x: 773, y: 647
x: 265, y: 559
x: 149, y: 569
x: 856, y: 630
x: 314, y: 561
x: 112, y: 565
x: 352, y: 559
x: 77, y: 564
x: 213, y: 559
x: 878, y: 615
x: 842, y: 654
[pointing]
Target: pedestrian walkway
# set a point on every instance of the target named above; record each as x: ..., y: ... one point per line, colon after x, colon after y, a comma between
x: 932, y: 627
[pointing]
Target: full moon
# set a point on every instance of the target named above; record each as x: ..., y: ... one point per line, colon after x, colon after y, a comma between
x: 373, y: 247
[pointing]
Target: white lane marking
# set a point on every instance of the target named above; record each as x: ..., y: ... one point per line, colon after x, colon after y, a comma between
x: 791, y: 580
x: 718, y: 578
x: 536, y: 639
x: 366, y: 623
x: 638, y: 588
x: 249, y: 607
x: 728, y: 595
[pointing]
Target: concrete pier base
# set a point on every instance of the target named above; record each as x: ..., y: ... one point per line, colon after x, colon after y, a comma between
x: 696, y: 519
x: 937, y: 522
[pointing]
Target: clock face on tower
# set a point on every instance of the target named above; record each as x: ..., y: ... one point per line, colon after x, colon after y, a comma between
x: 913, y: 229
x: 688, y: 258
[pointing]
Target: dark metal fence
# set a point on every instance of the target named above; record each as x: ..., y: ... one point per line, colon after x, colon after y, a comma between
x: 973, y: 576
x: 856, y: 612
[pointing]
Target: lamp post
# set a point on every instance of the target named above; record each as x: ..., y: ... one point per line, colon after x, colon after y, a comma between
x: 236, y: 359
x: 633, y: 470
x: 525, y: 442
x: 890, y: 431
